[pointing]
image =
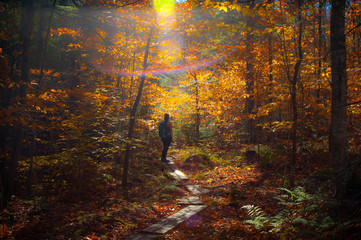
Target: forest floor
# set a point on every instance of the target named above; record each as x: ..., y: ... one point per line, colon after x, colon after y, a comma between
x: 247, y: 199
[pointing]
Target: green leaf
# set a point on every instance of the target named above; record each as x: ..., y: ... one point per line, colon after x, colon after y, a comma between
x: 311, y: 208
x: 327, y: 222
x: 300, y: 221
x: 313, y: 224
x: 105, y: 218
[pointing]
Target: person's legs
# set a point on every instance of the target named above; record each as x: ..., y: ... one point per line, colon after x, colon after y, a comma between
x: 166, y: 144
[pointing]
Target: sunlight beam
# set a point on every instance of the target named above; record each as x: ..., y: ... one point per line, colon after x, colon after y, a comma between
x: 164, y: 8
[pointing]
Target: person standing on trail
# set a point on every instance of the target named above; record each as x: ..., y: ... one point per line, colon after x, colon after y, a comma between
x: 166, y: 134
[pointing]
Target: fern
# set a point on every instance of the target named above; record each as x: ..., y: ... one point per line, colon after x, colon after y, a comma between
x: 259, y: 219
x: 254, y: 211
x: 297, y: 217
x: 278, y: 221
x: 327, y: 222
x: 295, y: 197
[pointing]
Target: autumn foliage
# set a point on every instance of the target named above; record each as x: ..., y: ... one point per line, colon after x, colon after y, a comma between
x: 248, y: 86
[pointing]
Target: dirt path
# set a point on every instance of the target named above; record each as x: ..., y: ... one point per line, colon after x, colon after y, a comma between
x: 193, y: 206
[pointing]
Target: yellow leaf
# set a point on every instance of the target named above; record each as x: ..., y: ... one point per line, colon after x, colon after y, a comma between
x: 224, y: 8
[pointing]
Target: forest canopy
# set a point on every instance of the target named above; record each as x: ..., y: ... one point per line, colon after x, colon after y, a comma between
x: 84, y: 85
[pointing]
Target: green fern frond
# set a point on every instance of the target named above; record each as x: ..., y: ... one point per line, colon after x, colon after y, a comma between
x: 280, y: 219
x: 254, y: 211
x: 295, y: 196
x: 257, y: 224
x: 259, y: 219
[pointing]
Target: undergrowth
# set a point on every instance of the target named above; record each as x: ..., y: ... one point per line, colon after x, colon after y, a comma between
x: 303, y: 216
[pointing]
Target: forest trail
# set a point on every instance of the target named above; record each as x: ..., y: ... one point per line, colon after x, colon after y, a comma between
x: 195, y: 205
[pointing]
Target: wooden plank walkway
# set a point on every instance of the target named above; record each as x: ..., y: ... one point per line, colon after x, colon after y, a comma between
x: 194, y: 200
x: 196, y: 189
x: 194, y: 203
x: 142, y: 236
x: 176, y: 174
x: 170, y: 222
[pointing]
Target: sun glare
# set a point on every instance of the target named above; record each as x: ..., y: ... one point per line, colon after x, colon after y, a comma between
x: 164, y: 7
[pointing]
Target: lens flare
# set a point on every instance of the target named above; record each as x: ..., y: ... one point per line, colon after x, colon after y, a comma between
x: 164, y: 7
x: 155, y: 72
x: 172, y: 51
x: 194, y: 221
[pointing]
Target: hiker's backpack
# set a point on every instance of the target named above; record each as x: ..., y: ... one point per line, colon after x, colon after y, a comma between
x: 163, y: 130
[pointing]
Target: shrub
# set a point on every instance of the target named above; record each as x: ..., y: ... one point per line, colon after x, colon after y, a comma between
x: 303, y: 214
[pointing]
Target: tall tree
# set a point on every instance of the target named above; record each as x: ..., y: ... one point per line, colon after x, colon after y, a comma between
x: 134, y: 111
x: 43, y: 43
x: 198, y: 116
x: 338, y: 132
x: 249, y: 105
x: 17, y: 132
x: 293, y: 82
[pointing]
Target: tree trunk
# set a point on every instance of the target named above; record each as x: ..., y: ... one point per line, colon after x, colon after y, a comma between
x: 198, y: 118
x: 319, y: 51
x: 41, y: 31
x: 272, y: 136
x: 27, y: 20
x: 133, y: 113
x: 17, y: 133
x: 249, y: 104
x: 45, y: 42
x: 294, y: 82
x: 338, y: 132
